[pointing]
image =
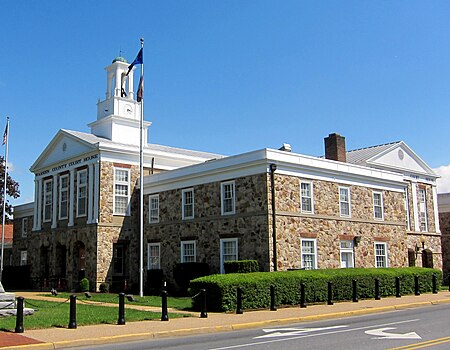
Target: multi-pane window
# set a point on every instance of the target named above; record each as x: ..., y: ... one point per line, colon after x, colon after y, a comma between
x: 228, y: 251
x: 381, y: 254
x: 121, y: 191
x: 24, y: 227
x: 153, y: 208
x: 423, y: 210
x: 188, y: 204
x: 154, y: 256
x: 188, y: 251
x: 81, y: 192
x: 63, y: 196
x: 48, y: 195
x: 347, y: 254
x: 309, y: 254
x: 344, y: 201
x: 228, y: 197
x: 23, y: 257
x: 378, y: 205
x: 118, y: 259
x: 306, y: 197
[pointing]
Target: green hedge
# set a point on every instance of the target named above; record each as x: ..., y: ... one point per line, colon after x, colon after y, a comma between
x: 221, y: 289
x: 241, y: 266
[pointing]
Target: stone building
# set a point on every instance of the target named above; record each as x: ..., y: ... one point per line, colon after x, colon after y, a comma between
x: 444, y: 222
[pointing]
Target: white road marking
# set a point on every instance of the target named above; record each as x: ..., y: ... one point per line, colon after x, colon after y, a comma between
x: 382, y: 334
x: 288, y: 332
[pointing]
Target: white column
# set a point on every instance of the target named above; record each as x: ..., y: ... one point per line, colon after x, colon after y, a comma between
x: 435, y: 210
x: 39, y: 205
x: 415, y: 206
x: 35, y: 206
x: 96, y: 191
x: 55, y: 200
x: 90, y: 192
x: 131, y: 85
x: 71, y: 196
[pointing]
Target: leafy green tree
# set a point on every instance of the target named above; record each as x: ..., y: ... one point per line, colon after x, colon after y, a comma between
x: 12, y: 190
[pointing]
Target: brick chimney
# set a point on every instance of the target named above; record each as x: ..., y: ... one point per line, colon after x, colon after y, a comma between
x: 335, y: 147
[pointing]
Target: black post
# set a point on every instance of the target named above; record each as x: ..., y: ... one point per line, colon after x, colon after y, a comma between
x: 416, y: 285
x: 302, y: 296
x: 448, y: 282
x: 330, y: 293
x: 73, y: 312
x: 239, y: 309
x: 203, y: 313
x: 121, y: 319
x: 273, y: 306
x: 19, y: 315
x: 164, y: 313
x: 434, y: 282
x: 355, y: 291
x: 377, y: 289
x: 397, y: 287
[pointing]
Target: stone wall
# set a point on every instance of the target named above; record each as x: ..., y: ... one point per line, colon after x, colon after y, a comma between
x: 444, y: 222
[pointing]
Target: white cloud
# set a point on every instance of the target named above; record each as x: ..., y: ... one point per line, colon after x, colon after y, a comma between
x: 443, y: 183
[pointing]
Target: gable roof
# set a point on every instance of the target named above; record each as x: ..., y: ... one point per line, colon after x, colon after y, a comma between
x: 362, y: 155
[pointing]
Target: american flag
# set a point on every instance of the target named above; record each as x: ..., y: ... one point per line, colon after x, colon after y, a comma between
x: 5, y: 135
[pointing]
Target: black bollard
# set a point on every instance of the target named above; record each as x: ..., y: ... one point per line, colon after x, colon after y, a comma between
x: 164, y: 313
x: 121, y: 319
x: 434, y: 282
x: 19, y: 315
x: 355, y: 291
x: 397, y: 287
x: 330, y: 293
x: 273, y: 306
x: 203, y: 313
x: 377, y: 289
x: 239, y: 309
x: 416, y: 285
x: 73, y: 312
x: 302, y: 296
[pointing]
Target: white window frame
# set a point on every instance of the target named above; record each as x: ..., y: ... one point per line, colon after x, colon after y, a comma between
x: 314, y: 254
x: 223, y: 199
x: 127, y: 195
x: 155, y: 265
x: 183, y: 251
x: 153, y: 211
x: 349, y: 202
x: 311, y: 197
x: 383, y: 256
x: 79, y: 192
x: 422, y: 208
x: 185, y: 205
x: 347, y: 247
x: 48, y: 200
x: 380, y: 205
x: 61, y: 191
x: 222, y: 253
x: 23, y: 257
x: 24, y: 227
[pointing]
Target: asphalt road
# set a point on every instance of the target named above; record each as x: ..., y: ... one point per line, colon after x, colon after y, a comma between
x: 426, y: 327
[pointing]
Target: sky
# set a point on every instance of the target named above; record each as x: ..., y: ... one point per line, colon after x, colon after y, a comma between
x: 233, y: 76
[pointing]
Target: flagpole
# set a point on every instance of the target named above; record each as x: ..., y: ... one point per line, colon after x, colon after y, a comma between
x: 141, y: 185
x: 4, y: 197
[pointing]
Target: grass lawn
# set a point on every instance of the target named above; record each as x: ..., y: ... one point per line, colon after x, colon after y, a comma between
x: 51, y: 314
x: 184, y: 303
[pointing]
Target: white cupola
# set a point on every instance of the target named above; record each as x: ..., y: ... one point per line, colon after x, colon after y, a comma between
x: 118, y: 116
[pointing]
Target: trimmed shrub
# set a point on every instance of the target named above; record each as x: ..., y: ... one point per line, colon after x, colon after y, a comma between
x: 104, y: 287
x: 241, y: 266
x: 221, y: 289
x: 84, y: 285
x: 183, y: 273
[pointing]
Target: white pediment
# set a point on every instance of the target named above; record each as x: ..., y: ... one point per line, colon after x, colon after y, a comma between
x: 63, y: 146
x: 400, y: 158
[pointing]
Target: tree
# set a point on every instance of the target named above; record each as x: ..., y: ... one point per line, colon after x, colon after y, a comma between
x: 12, y: 189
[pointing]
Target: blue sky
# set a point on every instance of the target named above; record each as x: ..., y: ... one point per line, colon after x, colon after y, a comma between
x: 233, y: 76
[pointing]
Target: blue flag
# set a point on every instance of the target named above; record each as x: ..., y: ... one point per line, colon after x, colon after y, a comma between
x: 138, y: 60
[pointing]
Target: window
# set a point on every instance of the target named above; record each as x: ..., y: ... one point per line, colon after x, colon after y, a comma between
x: 118, y: 259
x: 121, y: 191
x: 153, y: 208
x: 306, y: 197
x: 344, y: 201
x: 23, y: 257
x: 227, y: 195
x: 81, y: 192
x: 309, y: 254
x: 48, y: 194
x: 63, y: 196
x: 24, y: 227
x: 154, y: 256
x: 228, y: 251
x: 188, y: 251
x: 347, y: 255
x: 381, y: 254
x: 187, y: 204
x: 423, y: 210
x: 378, y: 205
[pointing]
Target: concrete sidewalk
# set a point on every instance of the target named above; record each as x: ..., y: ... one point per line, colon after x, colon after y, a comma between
x: 59, y: 338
